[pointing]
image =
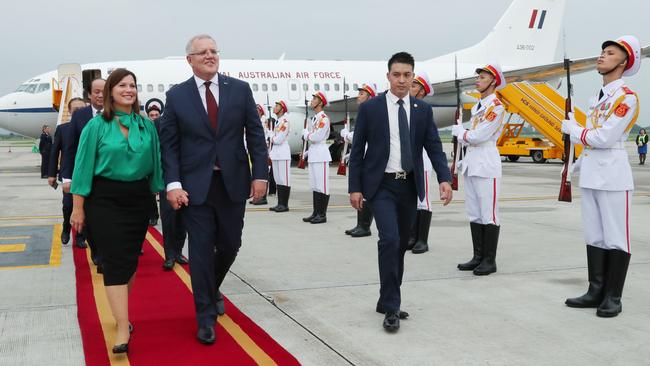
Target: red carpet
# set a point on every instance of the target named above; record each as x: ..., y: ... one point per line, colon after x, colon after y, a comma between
x: 161, y: 310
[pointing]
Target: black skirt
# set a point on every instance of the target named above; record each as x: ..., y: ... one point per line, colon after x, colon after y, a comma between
x: 117, y: 214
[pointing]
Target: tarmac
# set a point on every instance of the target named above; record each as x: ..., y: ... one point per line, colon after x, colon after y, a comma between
x: 314, y: 289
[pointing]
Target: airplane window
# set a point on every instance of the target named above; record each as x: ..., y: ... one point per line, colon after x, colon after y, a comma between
x: 326, y: 87
x: 31, y: 88
x: 265, y: 87
x: 170, y: 86
x: 337, y: 87
x: 274, y: 87
x: 316, y: 87
x: 347, y: 86
x: 355, y: 86
x: 139, y: 88
x: 255, y: 88
x: 43, y: 87
x: 149, y: 88
x: 305, y: 87
x: 22, y: 88
x: 161, y: 88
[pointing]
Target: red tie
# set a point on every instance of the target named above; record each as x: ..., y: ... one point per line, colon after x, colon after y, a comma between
x: 213, y: 108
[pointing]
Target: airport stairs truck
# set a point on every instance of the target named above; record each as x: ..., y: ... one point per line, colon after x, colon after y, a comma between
x: 543, y: 108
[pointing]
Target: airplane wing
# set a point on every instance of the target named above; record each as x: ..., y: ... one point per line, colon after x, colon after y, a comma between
x: 532, y: 74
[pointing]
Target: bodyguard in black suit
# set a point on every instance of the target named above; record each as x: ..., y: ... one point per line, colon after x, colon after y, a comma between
x: 71, y: 140
x: 389, y: 173
x: 45, y: 146
x: 206, y: 169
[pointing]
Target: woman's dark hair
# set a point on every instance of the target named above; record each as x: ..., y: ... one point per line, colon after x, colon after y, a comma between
x: 113, y: 79
x: 643, y: 129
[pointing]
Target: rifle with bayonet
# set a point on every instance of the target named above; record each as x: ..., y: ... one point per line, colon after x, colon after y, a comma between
x: 565, y: 186
x: 342, y: 169
x: 301, y: 162
x: 270, y: 127
x: 458, y: 148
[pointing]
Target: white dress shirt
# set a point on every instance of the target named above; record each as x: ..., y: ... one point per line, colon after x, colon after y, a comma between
x: 395, y: 155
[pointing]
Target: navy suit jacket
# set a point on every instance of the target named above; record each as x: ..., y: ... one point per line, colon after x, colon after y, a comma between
x: 190, y: 148
x: 57, y: 148
x: 367, y: 167
x: 71, y: 139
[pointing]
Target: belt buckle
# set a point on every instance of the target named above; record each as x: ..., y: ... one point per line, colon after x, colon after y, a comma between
x: 400, y: 175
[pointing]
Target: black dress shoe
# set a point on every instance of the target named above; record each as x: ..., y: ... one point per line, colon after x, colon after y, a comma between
x: 221, y: 306
x: 81, y: 243
x: 168, y: 265
x: 206, y: 335
x: 261, y: 201
x: 182, y: 260
x: 401, y: 314
x: 65, y: 237
x: 391, y: 322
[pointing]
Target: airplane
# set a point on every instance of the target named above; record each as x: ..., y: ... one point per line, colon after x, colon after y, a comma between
x: 525, y: 41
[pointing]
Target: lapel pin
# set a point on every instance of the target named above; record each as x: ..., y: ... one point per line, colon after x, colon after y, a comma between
x: 415, y: 105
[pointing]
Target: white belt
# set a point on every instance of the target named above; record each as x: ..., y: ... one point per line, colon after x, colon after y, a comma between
x: 488, y: 143
x: 618, y: 145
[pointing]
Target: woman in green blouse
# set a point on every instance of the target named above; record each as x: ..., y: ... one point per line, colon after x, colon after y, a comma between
x: 117, y: 168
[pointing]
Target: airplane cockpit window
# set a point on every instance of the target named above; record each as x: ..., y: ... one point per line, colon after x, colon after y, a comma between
x: 274, y: 87
x: 265, y: 87
x: 31, y: 88
x: 326, y: 87
x: 22, y: 88
x: 316, y: 87
x: 42, y: 87
x: 255, y: 87
x: 161, y: 88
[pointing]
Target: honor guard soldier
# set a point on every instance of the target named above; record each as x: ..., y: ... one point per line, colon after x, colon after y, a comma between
x: 280, y: 155
x: 364, y: 216
x: 606, y: 183
x: 263, y: 121
x: 481, y: 170
x: 318, y: 157
x: 420, y: 88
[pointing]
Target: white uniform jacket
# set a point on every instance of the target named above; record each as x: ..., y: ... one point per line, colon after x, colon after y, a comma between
x: 604, y: 162
x: 317, y: 133
x: 279, y: 137
x: 482, y: 158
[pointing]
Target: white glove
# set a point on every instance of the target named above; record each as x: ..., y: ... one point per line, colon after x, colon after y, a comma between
x: 457, y: 130
x: 569, y: 124
x: 305, y: 133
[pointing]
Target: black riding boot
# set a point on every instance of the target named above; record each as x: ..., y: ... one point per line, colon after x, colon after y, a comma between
x: 364, y: 220
x: 490, y: 240
x: 617, y: 264
x: 477, y: 243
x: 321, y: 209
x: 283, y: 199
x: 596, y: 264
x: 424, y: 223
x: 314, y: 198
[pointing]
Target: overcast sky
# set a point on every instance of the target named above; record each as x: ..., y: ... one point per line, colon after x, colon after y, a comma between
x: 37, y: 35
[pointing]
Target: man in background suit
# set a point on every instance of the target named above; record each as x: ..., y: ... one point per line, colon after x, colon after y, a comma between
x: 55, y: 166
x: 206, y: 169
x: 389, y: 174
x: 71, y: 140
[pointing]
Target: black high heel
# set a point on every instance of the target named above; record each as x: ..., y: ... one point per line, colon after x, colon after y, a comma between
x: 121, y: 348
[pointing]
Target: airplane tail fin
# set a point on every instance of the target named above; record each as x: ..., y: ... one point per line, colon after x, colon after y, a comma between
x: 528, y: 33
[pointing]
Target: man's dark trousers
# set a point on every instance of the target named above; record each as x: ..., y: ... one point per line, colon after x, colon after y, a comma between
x: 220, y: 222
x: 394, y: 207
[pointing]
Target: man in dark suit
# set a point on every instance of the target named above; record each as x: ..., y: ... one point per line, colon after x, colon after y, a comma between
x: 44, y: 147
x: 56, y: 160
x: 206, y: 169
x: 71, y: 140
x: 389, y: 174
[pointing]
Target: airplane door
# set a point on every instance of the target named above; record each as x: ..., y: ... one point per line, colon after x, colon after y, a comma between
x: 294, y: 90
x: 70, y: 85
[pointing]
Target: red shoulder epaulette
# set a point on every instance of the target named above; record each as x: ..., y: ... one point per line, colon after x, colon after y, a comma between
x: 627, y: 90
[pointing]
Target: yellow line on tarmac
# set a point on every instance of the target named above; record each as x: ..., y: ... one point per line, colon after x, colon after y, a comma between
x: 238, y: 334
x: 14, y: 237
x: 12, y: 248
x: 106, y: 320
x: 43, y: 217
x: 55, y: 252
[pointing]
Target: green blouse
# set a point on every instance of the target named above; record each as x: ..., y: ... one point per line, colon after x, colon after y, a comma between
x: 104, y: 151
